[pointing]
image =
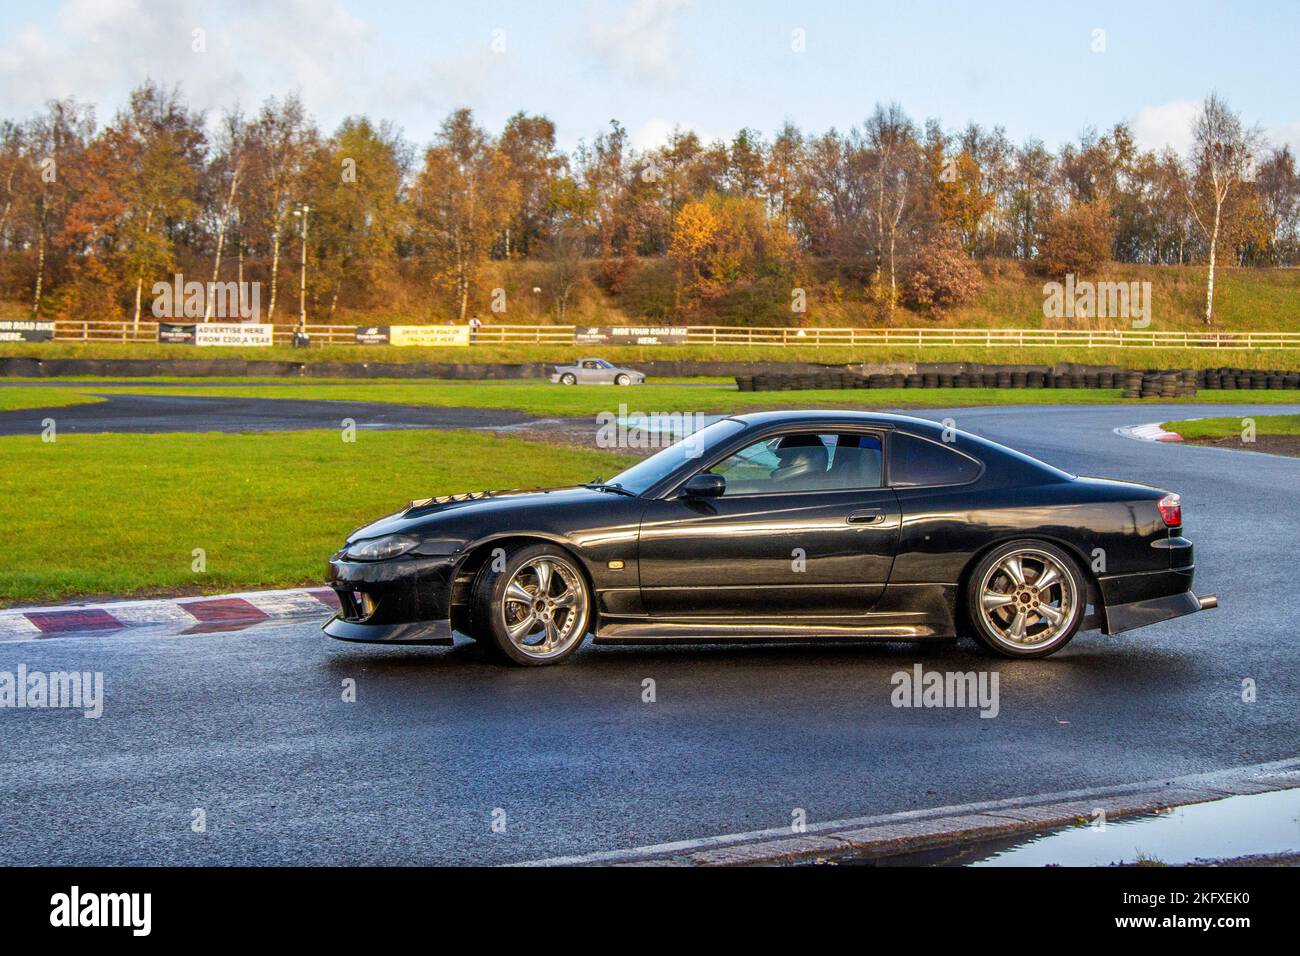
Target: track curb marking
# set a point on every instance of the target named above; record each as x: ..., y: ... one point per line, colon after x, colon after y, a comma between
x: 1149, y: 432
x: 195, y: 615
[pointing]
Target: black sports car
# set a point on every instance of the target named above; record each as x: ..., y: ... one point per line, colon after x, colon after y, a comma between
x: 778, y: 526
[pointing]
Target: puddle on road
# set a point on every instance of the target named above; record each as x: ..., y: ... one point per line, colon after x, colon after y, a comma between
x: 1262, y: 823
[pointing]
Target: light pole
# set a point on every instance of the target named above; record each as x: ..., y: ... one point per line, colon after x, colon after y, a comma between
x: 302, y: 212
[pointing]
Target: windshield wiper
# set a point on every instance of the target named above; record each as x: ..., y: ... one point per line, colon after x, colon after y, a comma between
x: 615, y: 487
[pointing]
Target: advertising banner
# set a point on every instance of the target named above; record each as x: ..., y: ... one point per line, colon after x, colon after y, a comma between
x: 233, y: 333
x: 27, y: 330
x: 429, y: 335
x: 629, y: 335
x: 372, y: 335
x: 170, y: 333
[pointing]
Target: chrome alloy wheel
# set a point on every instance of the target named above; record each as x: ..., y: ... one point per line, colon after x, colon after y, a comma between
x: 1028, y: 599
x: 545, y: 608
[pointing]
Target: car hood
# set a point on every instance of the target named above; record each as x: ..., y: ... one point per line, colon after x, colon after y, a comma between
x: 439, y: 515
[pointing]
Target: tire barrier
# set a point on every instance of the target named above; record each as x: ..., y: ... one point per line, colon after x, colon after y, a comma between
x: 1152, y: 383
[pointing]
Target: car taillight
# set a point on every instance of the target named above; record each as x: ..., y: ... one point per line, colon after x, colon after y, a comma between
x: 1171, y: 510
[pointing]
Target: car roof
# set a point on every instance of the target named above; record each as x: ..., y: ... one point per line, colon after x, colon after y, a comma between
x: 835, y: 417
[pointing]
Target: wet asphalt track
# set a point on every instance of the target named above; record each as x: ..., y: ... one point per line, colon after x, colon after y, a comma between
x: 249, y: 726
x: 156, y: 414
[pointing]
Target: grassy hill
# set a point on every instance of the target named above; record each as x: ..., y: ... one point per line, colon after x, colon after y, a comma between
x: 1011, y: 297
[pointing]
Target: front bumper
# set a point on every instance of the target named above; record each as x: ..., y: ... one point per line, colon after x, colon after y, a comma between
x: 416, y: 632
x: 403, y: 601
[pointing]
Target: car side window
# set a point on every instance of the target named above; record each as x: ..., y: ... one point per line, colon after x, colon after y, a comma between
x: 803, y: 462
x: 590, y: 365
x: 915, y: 461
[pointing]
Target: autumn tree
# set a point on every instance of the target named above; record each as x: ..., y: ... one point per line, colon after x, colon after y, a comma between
x: 1031, y: 200
x: 355, y: 190
x: 894, y: 157
x: 1278, y: 186
x: 12, y: 159
x: 276, y: 150
x: 839, y: 184
x: 957, y: 185
x: 225, y: 175
x: 604, y: 168
x: 464, y: 198
x: 942, y: 275
x: 1076, y: 240
x: 528, y: 144
x: 140, y: 188
x: 54, y: 142
x: 721, y: 241
x: 570, y: 239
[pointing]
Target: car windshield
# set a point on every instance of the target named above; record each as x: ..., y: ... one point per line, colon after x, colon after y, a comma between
x: 649, y: 472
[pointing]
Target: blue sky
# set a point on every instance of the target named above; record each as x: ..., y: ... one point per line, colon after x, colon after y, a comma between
x: 709, y: 65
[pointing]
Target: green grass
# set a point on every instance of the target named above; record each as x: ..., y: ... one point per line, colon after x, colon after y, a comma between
x: 577, y: 401
x: 122, y: 514
x: 1282, y: 359
x: 587, y: 400
x: 1232, y: 427
x: 14, y: 398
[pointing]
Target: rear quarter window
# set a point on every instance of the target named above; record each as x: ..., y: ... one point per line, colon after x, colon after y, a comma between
x: 916, y: 461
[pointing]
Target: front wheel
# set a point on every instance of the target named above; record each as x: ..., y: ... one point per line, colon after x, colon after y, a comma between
x: 536, y: 609
x: 1026, y: 599
x: 623, y: 380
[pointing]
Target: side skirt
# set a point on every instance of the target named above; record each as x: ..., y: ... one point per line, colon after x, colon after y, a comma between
x: 904, y: 612
x: 645, y: 631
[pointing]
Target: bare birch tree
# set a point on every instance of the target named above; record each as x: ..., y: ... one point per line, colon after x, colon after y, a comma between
x: 1223, y: 156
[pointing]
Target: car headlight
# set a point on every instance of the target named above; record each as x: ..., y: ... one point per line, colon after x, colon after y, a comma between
x: 380, y: 549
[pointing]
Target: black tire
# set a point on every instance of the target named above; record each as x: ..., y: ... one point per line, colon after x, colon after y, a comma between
x: 996, y: 630
x: 489, y: 613
x: 568, y: 378
x: 622, y: 379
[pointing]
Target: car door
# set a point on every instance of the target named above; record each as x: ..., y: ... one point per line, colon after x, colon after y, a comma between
x: 589, y: 372
x: 804, y: 528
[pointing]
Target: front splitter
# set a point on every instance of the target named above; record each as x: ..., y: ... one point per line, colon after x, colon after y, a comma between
x: 415, y: 632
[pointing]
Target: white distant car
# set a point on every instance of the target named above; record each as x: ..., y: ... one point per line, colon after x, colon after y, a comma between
x: 595, y: 371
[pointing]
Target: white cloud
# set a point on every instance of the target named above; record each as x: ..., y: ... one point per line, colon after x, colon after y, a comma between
x: 652, y: 134
x: 1170, y: 124
x: 1287, y: 135
x: 98, y: 50
x: 640, y: 42
x: 1156, y: 127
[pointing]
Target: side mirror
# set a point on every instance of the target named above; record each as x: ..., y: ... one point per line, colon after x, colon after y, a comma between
x: 704, y: 485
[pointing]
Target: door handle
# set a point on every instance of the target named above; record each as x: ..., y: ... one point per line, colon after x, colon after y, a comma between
x: 868, y: 516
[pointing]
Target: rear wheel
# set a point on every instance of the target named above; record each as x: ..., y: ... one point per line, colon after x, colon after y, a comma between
x: 568, y: 378
x: 536, y: 609
x: 1026, y: 599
